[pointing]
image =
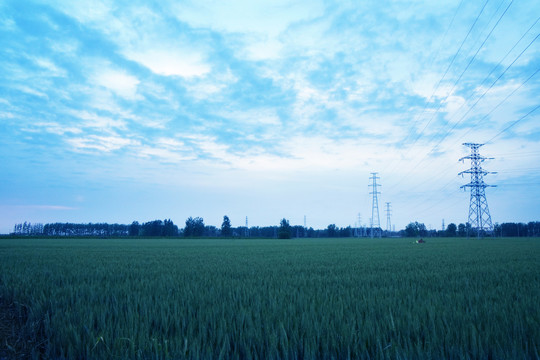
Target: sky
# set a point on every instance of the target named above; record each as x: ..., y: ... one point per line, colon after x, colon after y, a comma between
x: 121, y: 111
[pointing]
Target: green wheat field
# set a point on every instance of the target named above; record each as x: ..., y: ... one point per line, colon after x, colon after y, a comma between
x: 272, y: 299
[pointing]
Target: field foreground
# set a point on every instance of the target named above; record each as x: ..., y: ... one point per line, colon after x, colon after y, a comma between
x: 270, y: 299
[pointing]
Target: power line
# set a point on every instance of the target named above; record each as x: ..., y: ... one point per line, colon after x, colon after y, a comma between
x: 464, y: 70
x: 504, y: 58
x: 499, y: 104
x: 438, y: 51
x: 482, y: 120
x: 482, y: 96
x: 519, y: 154
x: 512, y: 124
x: 487, y: 77
x: 463, y: 117
x: 451, y: 62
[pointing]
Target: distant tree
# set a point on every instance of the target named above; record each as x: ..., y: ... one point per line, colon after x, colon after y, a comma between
x: 284, y: 231
x: 346, y: 232
x: 331, y: 230
x: 152, y: 228
x: 451, y: 230
x: 461, y: 230
x: 226, y: 229
x: 415, y: 229
x: 194, y: 227
x: 298, y: 231
x: 534, y: 228
x: 169, y: 229
x: 134, y: 229
x: 422, y: 230
x: 411, y: 230
x: 211, y: 231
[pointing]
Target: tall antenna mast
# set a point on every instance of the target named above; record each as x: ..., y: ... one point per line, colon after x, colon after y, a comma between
x: 479, y: 217
x: 375, y: 219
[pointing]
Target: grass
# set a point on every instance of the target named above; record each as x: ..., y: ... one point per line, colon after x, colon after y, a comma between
x: 323, y: 298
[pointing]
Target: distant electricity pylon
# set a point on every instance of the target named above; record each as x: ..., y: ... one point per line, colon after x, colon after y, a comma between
x: 247, y: 228
x: 375, y: 220
x: 479, y: 217
x: 359, y: 225
x: 388, y: 222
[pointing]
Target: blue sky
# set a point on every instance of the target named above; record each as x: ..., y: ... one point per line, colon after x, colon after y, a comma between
x: 114, y: 111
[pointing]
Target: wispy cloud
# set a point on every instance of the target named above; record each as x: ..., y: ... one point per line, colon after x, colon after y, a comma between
x: 100, y: 143
x: 118, y: 81
x: 46, y: 207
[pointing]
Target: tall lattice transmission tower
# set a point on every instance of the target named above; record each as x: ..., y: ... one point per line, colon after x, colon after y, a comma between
x: 375, y: 219
x: 360, y: 234
x: 388, y: 222
x: 247, y: 228
x: 479, y: 217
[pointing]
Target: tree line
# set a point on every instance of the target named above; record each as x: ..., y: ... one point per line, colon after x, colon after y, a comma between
x: 195, y: 227
x: 507, y: 229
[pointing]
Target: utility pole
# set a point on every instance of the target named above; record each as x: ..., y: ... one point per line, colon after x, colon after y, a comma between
x: 247, y: 228
x: 375, y: 219
x: 388, y: 222
x: 479, y: 217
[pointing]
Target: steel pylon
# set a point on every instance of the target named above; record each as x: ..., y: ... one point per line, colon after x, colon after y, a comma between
x: 479, y: 216
x: 375, y: 219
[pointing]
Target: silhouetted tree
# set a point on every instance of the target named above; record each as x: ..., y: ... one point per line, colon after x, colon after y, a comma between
x: 134, y: 228
x: 451, y: 230
x: 415, y: 229
x: 284, y: 231
x: 331, y: 230
x: 226, y: 229
x: 169, y: 229
x: 194, y: 227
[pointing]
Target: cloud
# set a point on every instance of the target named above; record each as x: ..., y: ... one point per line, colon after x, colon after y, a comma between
x: 53, y: 128
x: 166, y: 150
x: 104, y: 144
x: 118, y: 81
x: 50, y: 67
x: 7, y: 23
x: 45, y: 207
x: 254, y: 116
x: 85, y: 11
x: 141, y: 36
x: 169, y: 61
x: 254, y: 26
x: 94, y: 120
x: 211, y: 85
x: 241, y: 16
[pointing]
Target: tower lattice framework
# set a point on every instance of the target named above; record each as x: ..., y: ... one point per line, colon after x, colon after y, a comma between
x: 375, y: 219
x: 388, y: 221
x: 479, y: 216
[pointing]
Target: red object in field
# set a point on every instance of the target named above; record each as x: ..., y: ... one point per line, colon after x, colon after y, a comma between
x: 421, y: 241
